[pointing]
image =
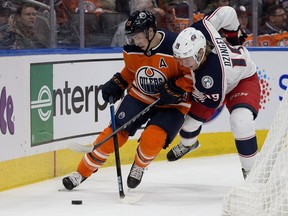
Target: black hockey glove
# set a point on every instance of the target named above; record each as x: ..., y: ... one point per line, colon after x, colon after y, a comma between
x: 170, y: 93
x: 242, y: 36
x: 114, y: 87
x: 235, y: 37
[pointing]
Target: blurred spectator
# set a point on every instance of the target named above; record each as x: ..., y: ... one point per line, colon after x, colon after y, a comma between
x: 181, y: 16
x: 249, y: 8
x: 150, y: 5
x: 122, y: 6
x: 266, y: 4
x: 91, y: 6
x: 215, y: 4
x: 97, y: 15
x: 284, y: 3
x: 62, y: 13
x: 177, y: 15
x: 243, y: 17
x: 220, y: 3
x: 24, y: 33
x: 4, y: 15
x: 201, y: 5
x: 119, y: 39
x: 42, y: 23
x: 108, y: 5
x: 168, y: 8
x: 5, y: 27
x: 47, y: 2
x: 182, y: 10
x: 276, y: 20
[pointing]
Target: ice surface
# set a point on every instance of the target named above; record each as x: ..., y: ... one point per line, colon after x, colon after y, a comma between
x: 186, y: 187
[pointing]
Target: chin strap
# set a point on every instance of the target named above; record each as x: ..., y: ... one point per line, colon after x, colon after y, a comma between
x: 196, y: 59
x: 148, y: 52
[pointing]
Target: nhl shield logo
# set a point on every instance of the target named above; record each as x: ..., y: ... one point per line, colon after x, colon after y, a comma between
x: 121, y: 115
x: 193, y: 37
x: 207, y: 82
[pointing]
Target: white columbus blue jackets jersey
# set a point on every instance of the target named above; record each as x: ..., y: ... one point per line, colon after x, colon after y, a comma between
x: 226, y: 65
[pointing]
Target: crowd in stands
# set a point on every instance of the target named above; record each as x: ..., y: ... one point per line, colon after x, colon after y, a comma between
x: 25, y: 24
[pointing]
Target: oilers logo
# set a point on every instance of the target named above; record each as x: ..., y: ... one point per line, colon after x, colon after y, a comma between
x: 148, y: 79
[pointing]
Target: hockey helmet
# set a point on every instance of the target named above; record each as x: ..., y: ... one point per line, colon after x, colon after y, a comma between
x: 140, y: 21
x: 188, y: 43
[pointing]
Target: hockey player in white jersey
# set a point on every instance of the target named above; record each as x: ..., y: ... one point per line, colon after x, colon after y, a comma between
x: 222, y: 74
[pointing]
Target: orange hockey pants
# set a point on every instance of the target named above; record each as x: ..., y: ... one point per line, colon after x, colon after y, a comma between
x: 151, y: 142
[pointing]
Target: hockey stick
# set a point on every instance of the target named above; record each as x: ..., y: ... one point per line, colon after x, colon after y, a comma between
x: 116, y: 149
x: 124, y: 198
x: 88, y: 148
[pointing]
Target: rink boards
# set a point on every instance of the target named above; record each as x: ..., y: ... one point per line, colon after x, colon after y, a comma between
x: 49, y: 100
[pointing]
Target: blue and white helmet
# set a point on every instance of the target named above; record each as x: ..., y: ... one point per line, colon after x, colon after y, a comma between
x: 188, y: 43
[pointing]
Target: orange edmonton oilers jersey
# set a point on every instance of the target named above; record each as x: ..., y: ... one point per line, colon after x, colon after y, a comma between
x: 145, y: 73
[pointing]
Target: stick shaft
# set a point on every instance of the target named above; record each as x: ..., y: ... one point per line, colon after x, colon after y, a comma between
x: 116, y: 149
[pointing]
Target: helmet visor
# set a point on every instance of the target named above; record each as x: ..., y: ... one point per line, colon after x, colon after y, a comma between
x: 186, y: 62
x: 132, y: 39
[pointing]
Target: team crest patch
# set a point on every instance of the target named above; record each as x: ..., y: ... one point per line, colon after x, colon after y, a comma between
x: 142, y: 15
x: 207, y: 82
x: 148, y: 80
x: 121, y: 115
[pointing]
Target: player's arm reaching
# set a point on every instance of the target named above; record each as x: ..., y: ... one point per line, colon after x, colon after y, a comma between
x: 225, y: 19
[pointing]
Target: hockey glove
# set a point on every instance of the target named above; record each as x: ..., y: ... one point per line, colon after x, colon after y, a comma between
x: 170, y: 93
x: 242, y: 36
x: 114, y: 87
x: 235, y: 37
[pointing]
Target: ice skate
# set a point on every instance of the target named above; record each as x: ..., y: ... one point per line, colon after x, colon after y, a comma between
x: 135, y: 176
x: 73, y: 180
x: 180, y: 150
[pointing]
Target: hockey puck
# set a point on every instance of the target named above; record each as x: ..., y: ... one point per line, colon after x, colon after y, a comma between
x: 76, y: 202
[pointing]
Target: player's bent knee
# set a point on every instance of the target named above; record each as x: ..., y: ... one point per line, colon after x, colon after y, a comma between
x: 242, y: 123
x: 191, y: 124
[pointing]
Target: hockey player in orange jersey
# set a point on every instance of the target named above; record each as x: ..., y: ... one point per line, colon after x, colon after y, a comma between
x: 150, y: 72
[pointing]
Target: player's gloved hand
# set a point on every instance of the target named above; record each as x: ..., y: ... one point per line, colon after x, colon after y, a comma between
x: 235, y: 37
x: 242, y: 35
x: 114, y: 87
x: 170, y: 93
